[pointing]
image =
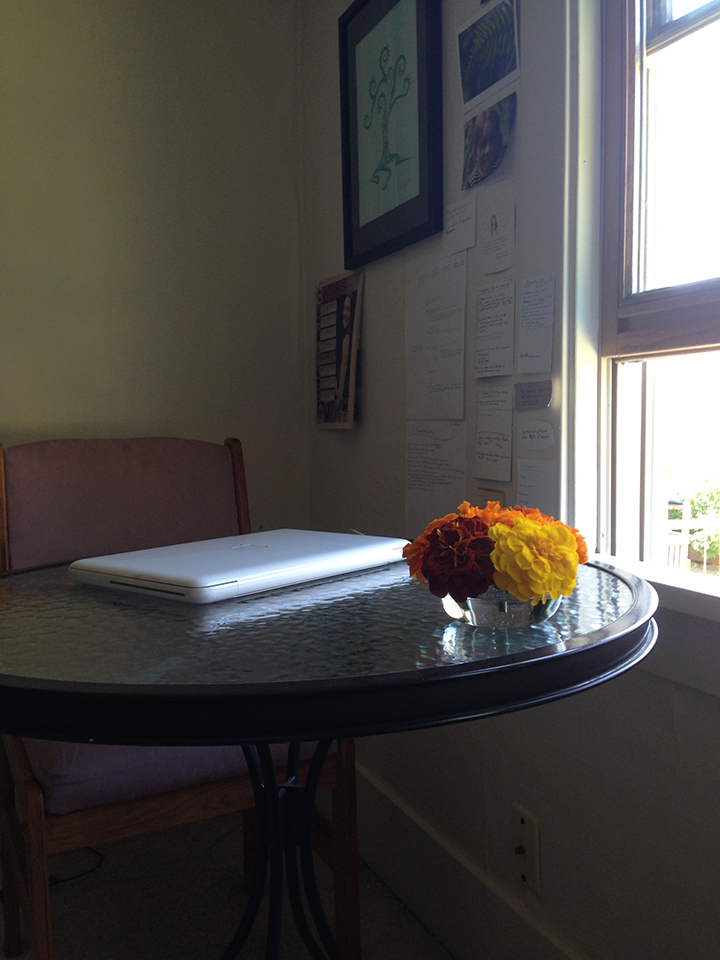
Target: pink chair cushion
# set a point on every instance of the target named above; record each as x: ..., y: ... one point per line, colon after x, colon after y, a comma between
x: 80, y: 498
x: 74, y: 776
x: 69, y: 499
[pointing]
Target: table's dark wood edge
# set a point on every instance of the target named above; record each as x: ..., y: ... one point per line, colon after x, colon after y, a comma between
x: 308, y: 710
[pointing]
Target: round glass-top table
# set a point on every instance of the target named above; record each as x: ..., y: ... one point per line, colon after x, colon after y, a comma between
x: 360, y: 655
x: 365, y: 654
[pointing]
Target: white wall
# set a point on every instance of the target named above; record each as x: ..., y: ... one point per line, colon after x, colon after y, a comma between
x: 357, y: 478
x: 624, y: 778
x: 150, y: 230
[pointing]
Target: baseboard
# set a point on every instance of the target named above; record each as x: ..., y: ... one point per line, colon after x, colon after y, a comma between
x: 472, y: 915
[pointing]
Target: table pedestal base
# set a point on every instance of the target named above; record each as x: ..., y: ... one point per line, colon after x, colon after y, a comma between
x: 284, y: 822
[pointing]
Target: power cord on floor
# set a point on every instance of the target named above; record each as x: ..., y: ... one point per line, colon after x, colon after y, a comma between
x: 54, y: 881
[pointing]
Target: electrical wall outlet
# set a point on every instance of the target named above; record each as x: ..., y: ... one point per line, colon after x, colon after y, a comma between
x: 525, y: 835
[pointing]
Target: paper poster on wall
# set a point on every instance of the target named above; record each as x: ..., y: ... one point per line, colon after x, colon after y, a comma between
x: 537, y: 314
x: 435, y: 337
x: 537, y: 485
x: 486, y: 140
x: 460, y: 225
x: 496, y: 226
x: 495, y: 329
x: 436, y: 457
x: 493, y: 433
x: 488, y: 55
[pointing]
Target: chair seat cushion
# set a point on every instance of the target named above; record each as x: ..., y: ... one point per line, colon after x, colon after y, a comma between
x: 74, y: 776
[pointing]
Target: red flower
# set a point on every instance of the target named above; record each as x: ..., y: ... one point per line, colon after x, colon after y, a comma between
x: 457, y: 558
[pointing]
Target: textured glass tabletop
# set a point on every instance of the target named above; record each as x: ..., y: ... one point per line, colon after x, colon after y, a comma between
x: 367, y: 625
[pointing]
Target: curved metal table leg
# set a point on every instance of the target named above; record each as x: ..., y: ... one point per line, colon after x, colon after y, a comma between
x: 261, y: 864
x: 285, y: 818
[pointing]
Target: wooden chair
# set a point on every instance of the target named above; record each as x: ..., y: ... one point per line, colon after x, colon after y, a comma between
x: 65, y: 499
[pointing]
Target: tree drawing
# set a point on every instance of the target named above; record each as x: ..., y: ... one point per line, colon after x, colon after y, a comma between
x: 385, y: 92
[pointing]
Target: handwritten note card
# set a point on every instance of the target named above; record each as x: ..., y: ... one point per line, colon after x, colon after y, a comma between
x: 536, y: 435
x: 435, y: 337
x: 493, y: 434
x: 533, y: 396
x: 537, y: 485
x: 495, y: 335
x: 537, y: 312
x: 460, y: 225
x: 436, y: 458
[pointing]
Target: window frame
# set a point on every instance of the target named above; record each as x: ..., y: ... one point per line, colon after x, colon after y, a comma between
x: 669, y: 319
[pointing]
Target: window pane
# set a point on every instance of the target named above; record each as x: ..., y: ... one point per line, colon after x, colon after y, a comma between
x: 675, y: 448
x: 682, y: 188
x: 681, y: 7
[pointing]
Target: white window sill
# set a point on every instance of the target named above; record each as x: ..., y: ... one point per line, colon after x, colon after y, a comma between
x: 688, y: 618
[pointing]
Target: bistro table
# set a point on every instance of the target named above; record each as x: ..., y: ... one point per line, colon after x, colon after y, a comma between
x: 364, y: 654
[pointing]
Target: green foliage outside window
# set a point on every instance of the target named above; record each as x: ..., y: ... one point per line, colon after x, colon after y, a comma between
x: 703, y: 502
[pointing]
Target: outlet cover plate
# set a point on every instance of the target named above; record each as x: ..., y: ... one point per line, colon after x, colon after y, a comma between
x: 525, y: 837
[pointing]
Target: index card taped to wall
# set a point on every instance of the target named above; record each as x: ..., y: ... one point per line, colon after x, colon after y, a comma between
x: 436, y: 458
x: 537, y: 313
x: 435, y: 337
x: 533, y: 396
x: 537, y: 485
x: 495, y: 330
x: 460, y: 225
x: 496, y: 226
x: 493, y: 434
x: 536, y: 435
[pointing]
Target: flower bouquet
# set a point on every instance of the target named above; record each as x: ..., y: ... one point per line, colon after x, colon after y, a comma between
x: 464, y: 555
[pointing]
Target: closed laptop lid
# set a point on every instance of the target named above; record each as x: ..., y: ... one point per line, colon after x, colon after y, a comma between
x: 210, y: 570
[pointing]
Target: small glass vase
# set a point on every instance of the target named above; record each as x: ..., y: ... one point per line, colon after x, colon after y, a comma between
x: 498, y: 608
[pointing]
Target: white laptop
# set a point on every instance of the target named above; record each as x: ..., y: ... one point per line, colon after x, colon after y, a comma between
x: 210, y: 570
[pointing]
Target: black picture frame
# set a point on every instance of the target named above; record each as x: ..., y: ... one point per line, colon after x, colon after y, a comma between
x: 402, y: 90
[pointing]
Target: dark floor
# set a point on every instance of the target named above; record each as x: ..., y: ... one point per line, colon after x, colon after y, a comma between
x: 176, y: 895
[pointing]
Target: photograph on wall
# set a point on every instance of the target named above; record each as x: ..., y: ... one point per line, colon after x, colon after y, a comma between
x: 487, y: 137
x: 488, y: 53
x: 338, y: 312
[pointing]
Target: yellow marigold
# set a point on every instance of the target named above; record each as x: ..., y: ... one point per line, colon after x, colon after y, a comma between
x: 532, y: 513
x: 534, y: 560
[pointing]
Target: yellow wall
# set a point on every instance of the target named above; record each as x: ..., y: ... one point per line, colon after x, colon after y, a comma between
x: 149, y: 230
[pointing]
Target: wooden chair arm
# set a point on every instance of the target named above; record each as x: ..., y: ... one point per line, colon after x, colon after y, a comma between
x: 28, y: 792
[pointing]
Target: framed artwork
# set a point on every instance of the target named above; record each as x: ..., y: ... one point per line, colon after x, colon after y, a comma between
x: 391, y: 112
x: 338, y: 313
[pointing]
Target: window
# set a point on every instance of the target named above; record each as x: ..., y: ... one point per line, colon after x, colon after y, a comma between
x: 667, y: 461
x: 661, y: 283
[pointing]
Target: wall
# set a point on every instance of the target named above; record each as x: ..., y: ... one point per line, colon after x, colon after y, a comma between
x: 358, y: 479
x: 624, y: 778
x: 149, y: 230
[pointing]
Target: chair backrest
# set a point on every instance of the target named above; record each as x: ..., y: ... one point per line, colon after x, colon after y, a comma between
x: 61, y: 500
